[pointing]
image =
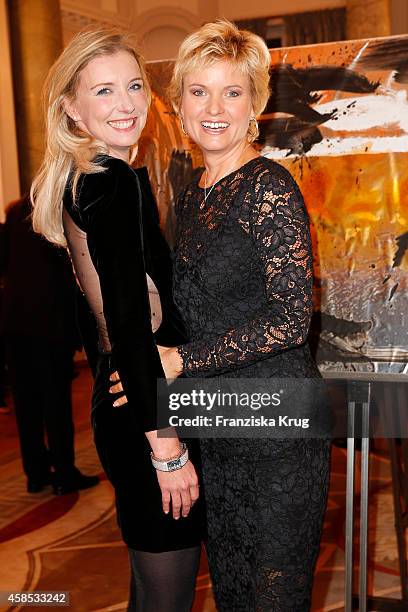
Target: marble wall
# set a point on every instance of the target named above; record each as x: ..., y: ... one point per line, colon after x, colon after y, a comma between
x: 9, y: 176
x: 36, y: 42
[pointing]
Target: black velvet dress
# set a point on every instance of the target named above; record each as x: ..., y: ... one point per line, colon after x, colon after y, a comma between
x: 119, y: 262
x: 243, y: 283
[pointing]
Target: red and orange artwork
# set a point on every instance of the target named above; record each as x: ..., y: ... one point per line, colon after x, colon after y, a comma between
x: 337, y: 118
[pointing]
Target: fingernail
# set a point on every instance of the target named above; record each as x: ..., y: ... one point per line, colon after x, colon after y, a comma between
x: 115, y: 404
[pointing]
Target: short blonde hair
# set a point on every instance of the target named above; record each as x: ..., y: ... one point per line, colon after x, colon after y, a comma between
x: 69, y: 151
x: 223, y: 41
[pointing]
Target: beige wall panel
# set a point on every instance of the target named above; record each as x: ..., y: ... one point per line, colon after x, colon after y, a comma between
x: 109, y: 5
x: 162, y: 43
x: 242, y: 9
x: 148, y: 5
x: 368, y: 18
x: 172, y: 21
x: 399, y: 16
x: 114, y: 12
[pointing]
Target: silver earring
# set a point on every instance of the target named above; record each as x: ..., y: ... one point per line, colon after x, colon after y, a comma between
x: 183, y: 129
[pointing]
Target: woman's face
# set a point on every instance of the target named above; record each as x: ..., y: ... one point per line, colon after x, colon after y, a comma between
x: 111, y: 103
x: 216, y: 107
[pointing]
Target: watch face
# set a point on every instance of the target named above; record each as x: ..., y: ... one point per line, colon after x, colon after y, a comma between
x: 175, y: 464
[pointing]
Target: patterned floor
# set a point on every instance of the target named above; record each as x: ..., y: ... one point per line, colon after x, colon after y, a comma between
x: 72, y: 543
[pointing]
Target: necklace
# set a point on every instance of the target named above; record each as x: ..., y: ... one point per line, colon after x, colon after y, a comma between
x: 207, y: 194
x: 234, y: 167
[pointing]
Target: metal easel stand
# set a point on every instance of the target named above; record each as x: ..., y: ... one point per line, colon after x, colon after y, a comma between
x: 359, y: 392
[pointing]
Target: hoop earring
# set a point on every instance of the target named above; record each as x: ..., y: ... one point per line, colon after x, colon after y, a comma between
x: 183, y: 129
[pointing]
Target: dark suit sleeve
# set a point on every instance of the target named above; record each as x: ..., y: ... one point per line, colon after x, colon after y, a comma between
x: 110, y: 209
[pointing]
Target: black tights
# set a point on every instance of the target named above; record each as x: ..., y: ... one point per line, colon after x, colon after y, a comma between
x: 163, y: 582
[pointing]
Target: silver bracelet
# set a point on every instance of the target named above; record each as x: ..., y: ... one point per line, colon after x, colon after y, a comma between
x: 170, y: 465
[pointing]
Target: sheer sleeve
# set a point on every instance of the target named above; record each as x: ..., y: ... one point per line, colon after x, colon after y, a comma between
x: 277, y: 223
x: 87, y: 276
x: 110, y: 212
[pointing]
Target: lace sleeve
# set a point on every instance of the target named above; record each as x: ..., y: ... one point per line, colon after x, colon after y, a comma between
x: 279, y: 227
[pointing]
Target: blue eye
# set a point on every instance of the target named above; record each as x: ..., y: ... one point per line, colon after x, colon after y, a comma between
x: 103, y: 91
x: 233, y: 94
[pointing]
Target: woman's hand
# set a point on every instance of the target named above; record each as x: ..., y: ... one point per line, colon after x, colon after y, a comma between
x: 117, y: 388
x: 180, y: 489
x: 172, y: 366
x: 171, y: 361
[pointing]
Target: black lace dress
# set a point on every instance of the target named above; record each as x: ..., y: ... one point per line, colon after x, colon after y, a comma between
x: 243, y: 283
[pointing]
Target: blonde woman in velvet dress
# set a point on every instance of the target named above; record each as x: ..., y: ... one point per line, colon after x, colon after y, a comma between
x: 89, y: 198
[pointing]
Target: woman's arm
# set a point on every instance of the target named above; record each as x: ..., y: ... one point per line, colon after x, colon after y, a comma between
x: 111, y: 213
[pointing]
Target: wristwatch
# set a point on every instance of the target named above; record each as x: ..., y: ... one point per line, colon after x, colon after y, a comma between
x: 173, y: 463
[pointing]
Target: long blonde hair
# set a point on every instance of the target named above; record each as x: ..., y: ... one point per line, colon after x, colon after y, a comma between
x: 68, y: 149
x: 221, y: 40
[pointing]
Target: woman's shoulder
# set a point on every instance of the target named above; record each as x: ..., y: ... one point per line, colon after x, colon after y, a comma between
x: 268, y: 175
x: 269, y: 170
x: 113, y: 175
x: 95, y: 191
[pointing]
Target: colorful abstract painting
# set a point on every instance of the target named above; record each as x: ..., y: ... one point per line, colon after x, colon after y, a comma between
x: 338, y: 120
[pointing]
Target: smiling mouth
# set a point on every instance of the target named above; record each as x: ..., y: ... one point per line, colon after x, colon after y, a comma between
x: 123, y: 124
x: 215, y: 126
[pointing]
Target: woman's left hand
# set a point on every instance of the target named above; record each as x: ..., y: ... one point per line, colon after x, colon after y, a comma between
x: 171, y: 361
x: 172, y: 366
x: 117, y: 388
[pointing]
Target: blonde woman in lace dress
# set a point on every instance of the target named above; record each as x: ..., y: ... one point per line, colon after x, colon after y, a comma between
x: 243, y: 284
